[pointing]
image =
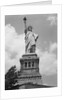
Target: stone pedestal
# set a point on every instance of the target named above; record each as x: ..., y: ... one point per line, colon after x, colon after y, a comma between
x: 29, y: 72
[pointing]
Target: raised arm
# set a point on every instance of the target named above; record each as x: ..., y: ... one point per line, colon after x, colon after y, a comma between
x: 25, y: 30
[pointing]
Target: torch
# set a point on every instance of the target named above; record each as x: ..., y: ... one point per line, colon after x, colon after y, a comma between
x: 24, y: 19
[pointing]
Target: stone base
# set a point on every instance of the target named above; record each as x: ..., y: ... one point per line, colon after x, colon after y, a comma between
x: 30, y: 78
x: 29, y: 72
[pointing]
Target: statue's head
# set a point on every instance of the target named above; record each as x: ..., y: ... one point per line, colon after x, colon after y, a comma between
x: 29, y: 28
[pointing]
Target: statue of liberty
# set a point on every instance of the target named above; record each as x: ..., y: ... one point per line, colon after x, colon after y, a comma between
x: 30, y: 39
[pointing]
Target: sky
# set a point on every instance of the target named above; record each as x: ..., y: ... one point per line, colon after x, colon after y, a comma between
x: 45, y: 25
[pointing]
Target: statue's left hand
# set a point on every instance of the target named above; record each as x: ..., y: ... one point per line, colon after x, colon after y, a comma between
x: 36, y: 38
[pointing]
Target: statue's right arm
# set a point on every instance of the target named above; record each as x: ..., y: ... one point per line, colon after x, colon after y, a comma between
x: 25, y: 31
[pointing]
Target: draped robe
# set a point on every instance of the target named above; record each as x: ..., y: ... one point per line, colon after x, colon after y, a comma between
x: 30, y: 40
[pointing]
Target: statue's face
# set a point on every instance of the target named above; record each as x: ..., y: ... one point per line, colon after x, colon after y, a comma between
x: 30, y: 28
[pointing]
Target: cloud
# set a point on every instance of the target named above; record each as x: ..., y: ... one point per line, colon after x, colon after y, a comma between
x: 53, y: 47
x: 48, y: 60
x: 15, y: 48
x: 48, y: 64
x: 52, y: 19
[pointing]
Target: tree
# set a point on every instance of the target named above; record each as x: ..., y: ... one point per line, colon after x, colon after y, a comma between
x: 11, y: 78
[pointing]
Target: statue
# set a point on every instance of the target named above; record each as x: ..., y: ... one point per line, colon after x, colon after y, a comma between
x: 30, y: 39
